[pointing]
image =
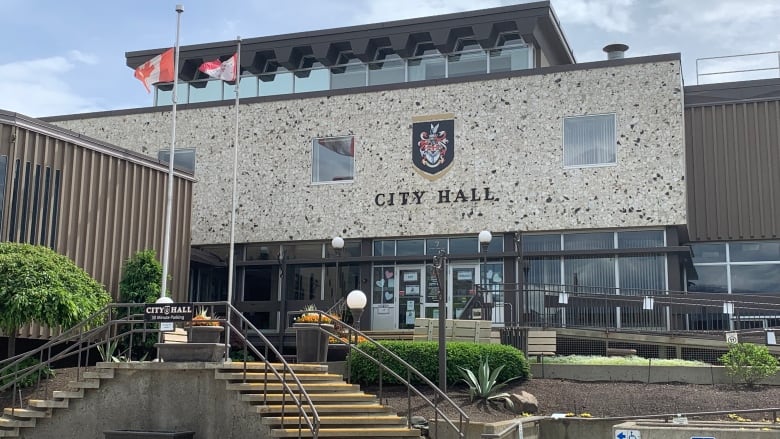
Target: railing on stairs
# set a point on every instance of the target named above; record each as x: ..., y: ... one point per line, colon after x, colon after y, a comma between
x: 118, y: 322
x: 440, y: 397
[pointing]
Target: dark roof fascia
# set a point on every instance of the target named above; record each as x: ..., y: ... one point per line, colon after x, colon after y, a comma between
x: 379, y: 88
x: 39, y: 126
x: 732, y: 92
x: 534, y: 17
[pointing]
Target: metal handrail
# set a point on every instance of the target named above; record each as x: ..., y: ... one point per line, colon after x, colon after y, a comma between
x: 323, y: 319
x: 670, y: 416
x: 288, y: 374
x: 83, y: 337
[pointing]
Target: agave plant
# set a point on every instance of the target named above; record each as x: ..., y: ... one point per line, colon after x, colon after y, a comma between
x: 202, y: 318
x: 484, y: 384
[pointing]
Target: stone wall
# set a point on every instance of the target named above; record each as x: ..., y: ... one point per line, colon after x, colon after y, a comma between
x: 508, y: 139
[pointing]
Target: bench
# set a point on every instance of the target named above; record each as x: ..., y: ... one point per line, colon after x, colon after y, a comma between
x: 541, y: 343
x: 618, y: 352
x: 474, y: 331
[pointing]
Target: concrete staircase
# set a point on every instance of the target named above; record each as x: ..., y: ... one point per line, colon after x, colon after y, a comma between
x: 14, y: 419
x: 345, y: 411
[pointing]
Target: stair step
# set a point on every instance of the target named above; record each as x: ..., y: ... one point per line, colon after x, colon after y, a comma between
x: 11, y: 432
x: 316, y: 398
x: 10, y: 423
x: 315, y: 387
x: 357, y: 419
x: 261, y: 376
x: 322, y: 409
x: 297, y: 368
x: 48, y: 403
x: 92, y: 383
x: 26, y: 413
x: 68, y: 394
x: 99, y: 374
x: 347, y: 432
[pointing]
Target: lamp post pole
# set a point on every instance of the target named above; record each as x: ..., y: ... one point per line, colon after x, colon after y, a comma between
x: 283, y: 286
x: 338, y: 244
x: 356, y: 302
x: 439, y: 265
x: 484, y: 241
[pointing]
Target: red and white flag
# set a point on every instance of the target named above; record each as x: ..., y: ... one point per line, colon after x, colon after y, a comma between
x: 224, y: 70
x: 158, y: 69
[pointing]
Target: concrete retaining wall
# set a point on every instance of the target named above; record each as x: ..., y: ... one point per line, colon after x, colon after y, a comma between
x: 641, y: 374
x: 157, y: 397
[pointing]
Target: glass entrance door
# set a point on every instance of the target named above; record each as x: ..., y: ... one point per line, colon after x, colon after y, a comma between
x: 411, y: 281
x: 461, y: 288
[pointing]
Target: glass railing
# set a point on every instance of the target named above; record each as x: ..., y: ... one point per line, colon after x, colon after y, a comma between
x: 392, y: 70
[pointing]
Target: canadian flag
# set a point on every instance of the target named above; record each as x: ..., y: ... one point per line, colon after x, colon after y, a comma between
x: 157, y: 69
x: 224, y: 70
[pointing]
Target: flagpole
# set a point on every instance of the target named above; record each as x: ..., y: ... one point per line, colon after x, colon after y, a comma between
x: 169, y: 203
x: 231, y: 262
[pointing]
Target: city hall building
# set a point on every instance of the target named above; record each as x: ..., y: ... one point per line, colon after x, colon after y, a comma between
x: 409, y: 138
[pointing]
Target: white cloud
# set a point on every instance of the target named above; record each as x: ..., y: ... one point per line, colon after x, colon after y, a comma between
x: 85, y: 58
x: 38, y: 88
x: 388, y: 10
x: 609, y: 15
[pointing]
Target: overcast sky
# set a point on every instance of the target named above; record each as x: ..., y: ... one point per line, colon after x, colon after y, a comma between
x: 63, y: 57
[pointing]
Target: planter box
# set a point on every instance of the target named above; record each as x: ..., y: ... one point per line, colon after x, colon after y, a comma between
x: 191, y: 351
x: 311, y: 342
x: 205, y: 334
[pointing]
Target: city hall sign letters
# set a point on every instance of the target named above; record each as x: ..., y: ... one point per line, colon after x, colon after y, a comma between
x: 440, y: 197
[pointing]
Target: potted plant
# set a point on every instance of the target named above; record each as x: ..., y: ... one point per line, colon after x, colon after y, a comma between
x: 204, y: 328
x: 312, y: 330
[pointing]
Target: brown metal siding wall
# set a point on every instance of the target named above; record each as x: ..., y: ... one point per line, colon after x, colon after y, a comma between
x: 109, y: 208
x: 733, y: 155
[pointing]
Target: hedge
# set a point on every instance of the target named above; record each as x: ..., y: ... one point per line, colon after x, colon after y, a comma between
x: 424, y: 356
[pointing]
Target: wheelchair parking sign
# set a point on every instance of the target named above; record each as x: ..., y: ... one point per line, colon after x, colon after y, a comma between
x: 628, y: 434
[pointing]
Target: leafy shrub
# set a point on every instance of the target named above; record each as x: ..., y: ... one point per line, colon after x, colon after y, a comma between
x: 37, y: 284
x: 141, y: 278
x: 424, y: 356
x: 749, y: 362
x: 28, y: 380
x: 140, y: 283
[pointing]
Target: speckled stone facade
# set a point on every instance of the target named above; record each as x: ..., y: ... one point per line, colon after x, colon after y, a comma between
x: 509, y: 137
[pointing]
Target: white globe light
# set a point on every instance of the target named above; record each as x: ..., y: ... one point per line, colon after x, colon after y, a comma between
x: 485, y: 237
x: 165, y: 299
x: 356, y: 299
x: 337, y: 243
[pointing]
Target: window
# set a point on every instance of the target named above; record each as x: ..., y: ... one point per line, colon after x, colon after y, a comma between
x: 589, y: 140
x: 333, y: 159
x: 183, y: 159
x: 748, y: 267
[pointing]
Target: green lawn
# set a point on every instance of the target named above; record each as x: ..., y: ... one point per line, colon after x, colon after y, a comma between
x: 592, y: 360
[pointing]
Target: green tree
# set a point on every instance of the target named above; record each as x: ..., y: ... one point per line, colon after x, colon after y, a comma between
x: 140, y: 283
x: 749, y: 362
x: 141, y: 278
x: 39, y: 285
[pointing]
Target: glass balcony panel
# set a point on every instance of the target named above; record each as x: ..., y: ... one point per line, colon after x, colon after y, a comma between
x: 247, y: 89
x: 429, y: 67
x: 206, y: 91
x: 279, y: 83
x: 349, y: 76
x: 315, y: 79
x: 509, y: 59
x: 466, y: 64
x: 165, y: 94
x: 392, y: 71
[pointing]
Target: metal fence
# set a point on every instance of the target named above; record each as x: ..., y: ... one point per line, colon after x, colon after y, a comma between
x: 651, y: 323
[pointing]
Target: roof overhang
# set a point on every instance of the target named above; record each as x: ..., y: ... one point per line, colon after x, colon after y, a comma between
x: 536, y: 22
